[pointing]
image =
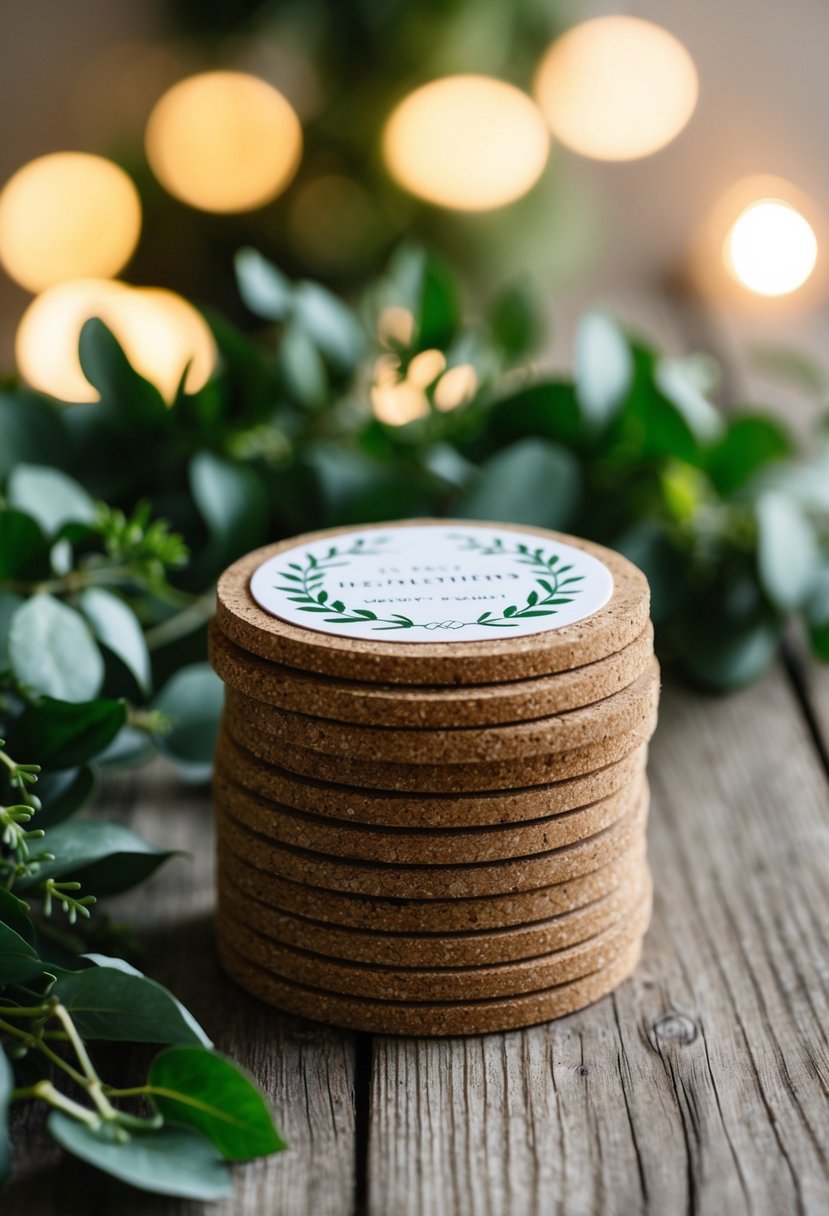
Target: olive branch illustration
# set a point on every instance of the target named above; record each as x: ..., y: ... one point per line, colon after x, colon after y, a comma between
x: 556, y: 585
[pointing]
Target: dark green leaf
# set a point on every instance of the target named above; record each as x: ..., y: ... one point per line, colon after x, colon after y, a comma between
x: 648, y: 546
x: 18, y: 958
x: 530, y: 482
x: 32, y: 431
x: 117, y: 627
x: 115, y: 1002
x: 437, y: 313
x: 127, y: 399
x: 516, y: 321
x: 22, y: 544
x: 15, y: 914
x: 721, y: 659
x: 53, y: 652
x: 205, y: 1091
x: 549, y: 410
x: 49, y: 496
x: 232, y: 501
x: 750, y: 442
x: 62, y: 793
x: 816, y: 611
x: 105, y: 858
x: 62, y: 734
x: 169, y: 1161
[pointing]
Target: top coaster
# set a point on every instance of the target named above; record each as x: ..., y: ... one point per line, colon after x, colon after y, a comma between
x: 433, y: 602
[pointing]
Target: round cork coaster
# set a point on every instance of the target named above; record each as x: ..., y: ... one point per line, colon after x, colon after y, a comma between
x: 475, y: 983
x: 392, y: 914
x: 587, y: 603
x: 439, y: 949
x: 432, y: 882
x: 515, y: 773
x: 387, y: 1017
x: 433, y: 707
x: 445, y: 846
x: 391, y: 809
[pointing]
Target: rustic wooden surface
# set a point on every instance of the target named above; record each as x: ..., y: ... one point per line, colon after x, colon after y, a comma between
x: 699, y: 1087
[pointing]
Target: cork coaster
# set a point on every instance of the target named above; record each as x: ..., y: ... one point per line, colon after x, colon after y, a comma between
x: 424, y: 810
x: 396, y: 915
x: 438, y: 949
x: 387, y: 1017
x: 475, y: 983
x: 542, y: 769
x: 445, y: 846
x: 433, y: 707
x: 570, y: 633
x: 615, y: 715
x: 432, y: 882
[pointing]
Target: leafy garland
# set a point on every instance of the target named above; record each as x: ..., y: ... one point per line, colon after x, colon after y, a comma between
x: 310, y: 592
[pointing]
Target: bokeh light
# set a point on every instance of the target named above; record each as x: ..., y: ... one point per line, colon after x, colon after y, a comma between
x: 457, y: 386
x: 425, y: 367
x: 65, y: 216
x: 397, y: 404
x: 470, y: 143
x: 396, y: 325
x: 161, y: 335
x: 617, y: 88
x: 224, y: 141
x: 771, y: 248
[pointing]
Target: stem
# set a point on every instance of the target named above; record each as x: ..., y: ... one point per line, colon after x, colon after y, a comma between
x: 48, y: 1093
x: 31, y: 1040
x: 183, y: 622
x: 92, y: 1082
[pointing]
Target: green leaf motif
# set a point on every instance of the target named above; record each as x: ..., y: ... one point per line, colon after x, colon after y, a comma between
x: 53, y: 652
x: 169, y: 1161
x: 50, y: 497
x: 117, y: 627
x: 65, y: 734
x: 113, y: 1001
x: 205, y: 1091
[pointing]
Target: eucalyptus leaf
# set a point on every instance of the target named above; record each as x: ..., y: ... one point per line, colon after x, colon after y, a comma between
x: 53, y: 652
x: 32, y: 431
x: 193, y: 699
x: 9, y: 603
x: 603, y: 368
x: 62, y: 793
x: 6, y: 1087
x: 117, y: 627
x: 167, y: 1161
x: 232, y: 501
x: 788, y: 555
x: 749, y: 443
x: 19, y: 960
x: 675, y: 380
x: 302, y: 367
x: 816, y: 611
x: 22, y: 544
x: 49, y: 496
x: 549, y: 409
x: 330, y: 324
x: 14, y: 913
x: 530, y: 482
x: 113, y: 1001
x: 263, y: 288
x: 64, y: 734
x: 105, y: 858
x: 128, y: 401
x: 721, y: 659
x: 515, y: 319
x: 205, y: 1091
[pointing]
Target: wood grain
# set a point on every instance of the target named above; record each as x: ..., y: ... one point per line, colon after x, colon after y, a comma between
x: 701, y: 1085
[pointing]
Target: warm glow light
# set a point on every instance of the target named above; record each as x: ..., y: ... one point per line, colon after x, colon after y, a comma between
x: 456, y: 387
x: 224, y: 141
x: 66, y: 216
x: 617, y: 88
x: 466, y: 142
x: 771, y: 249
x: 159, y: 331
x: 396, y: 325
x: 397, y: 404
x: 425, y: 368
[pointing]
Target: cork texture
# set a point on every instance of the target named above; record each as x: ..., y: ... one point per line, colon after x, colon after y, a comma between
x: 434, y: 707
x: 442, y: 847
x: 605, y: 632
x: 386, y: 1017
x: 392, y: 809
x: 433, y: 882
x: 438, y: 949
x: 391, y: 914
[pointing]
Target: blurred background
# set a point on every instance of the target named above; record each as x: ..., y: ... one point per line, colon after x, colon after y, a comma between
x: 625, y: 162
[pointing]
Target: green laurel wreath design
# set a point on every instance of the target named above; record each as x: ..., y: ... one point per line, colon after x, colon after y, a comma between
x: 556, y: 587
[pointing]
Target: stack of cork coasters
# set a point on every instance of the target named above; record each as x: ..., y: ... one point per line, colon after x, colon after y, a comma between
x: 430, y: 780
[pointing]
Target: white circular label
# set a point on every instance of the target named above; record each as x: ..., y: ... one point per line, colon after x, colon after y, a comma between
x: 432, y: 584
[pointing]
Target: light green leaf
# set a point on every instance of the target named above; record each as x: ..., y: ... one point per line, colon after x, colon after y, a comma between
x: 263, y: 288
x: 530, y: 482
x: 676, y: 379
x: 9, y: 603
x: 113, y: 1001
x: 330, y: 324
x: 603, y: 367
x: 53, y: 652
x: 193, y: 698
x: 302, y: 367
x: 232, y: 501
x: 118, y: 628
x: 169, y: 1161
x: 49, y: 496
x: 788, y: 555
x: 205, y: 1091
x: 6, y: 1087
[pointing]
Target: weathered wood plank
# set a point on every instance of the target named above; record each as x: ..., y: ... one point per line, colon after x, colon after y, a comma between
x: 307, y: 1071
x: 701, y: 1085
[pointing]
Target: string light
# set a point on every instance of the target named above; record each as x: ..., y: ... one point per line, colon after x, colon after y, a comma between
x: 224, y: 141
x: 617, y: 88
x: 65, y: 216
x: 470, y: 143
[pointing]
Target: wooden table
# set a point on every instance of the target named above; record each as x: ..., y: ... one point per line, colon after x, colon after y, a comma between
x: 699, y: 1087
